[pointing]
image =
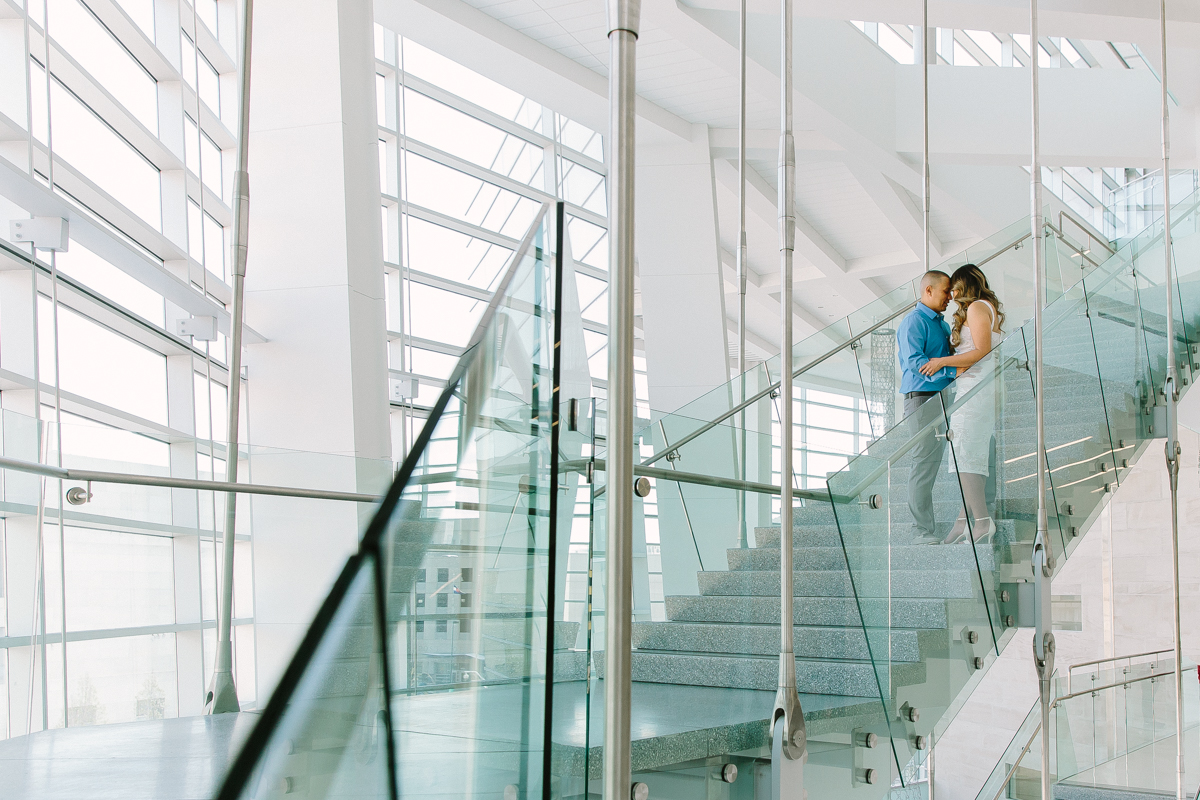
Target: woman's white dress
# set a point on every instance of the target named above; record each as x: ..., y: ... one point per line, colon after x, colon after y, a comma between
x: 974, y: 422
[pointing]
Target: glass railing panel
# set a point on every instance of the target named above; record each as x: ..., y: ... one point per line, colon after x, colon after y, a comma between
x: 1120, y: 348
x: 1009, y: 485
x: 331, y: 739
x: 1023, y: 751
x: 468, y: 549
x: 1150, y: 270
x: 975, y: 409
x: 1186, y: 248
x: 1116, y: 733
x: 448, y: 595
x: 883, y: 308
x: 1079, y: 452
x: 862, y: 502
x: 21, y: 491
x: 919, y: 592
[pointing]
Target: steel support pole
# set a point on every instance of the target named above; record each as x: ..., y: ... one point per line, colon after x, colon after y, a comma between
x: 1171, y: 393
x: 222, y: 694
x: 743, y: 539
x: 1043, y: 552
x: 787, y: 719
x: 623, y: 18
x: 925, y: 129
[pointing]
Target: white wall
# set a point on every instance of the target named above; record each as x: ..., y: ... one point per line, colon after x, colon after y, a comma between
x: 683, y: 314
x: 315, y: 290
x: 1122, y: 571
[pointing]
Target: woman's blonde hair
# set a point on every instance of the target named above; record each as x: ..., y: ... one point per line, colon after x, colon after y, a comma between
x: 970, y: 284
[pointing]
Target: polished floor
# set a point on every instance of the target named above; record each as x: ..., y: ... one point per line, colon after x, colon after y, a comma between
x: 171, y: 759
x: 185, y: 759
x: 1148, y: 772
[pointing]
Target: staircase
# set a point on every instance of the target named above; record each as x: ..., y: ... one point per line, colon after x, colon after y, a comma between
x: 948, y: 610
x: 891, y: 635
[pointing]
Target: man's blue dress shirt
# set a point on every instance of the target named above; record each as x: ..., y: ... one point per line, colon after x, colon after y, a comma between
x: 923, y: 335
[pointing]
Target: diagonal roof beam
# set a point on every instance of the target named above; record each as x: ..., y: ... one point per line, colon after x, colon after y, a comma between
x: 892, y: 200
x: 691, y: 28
x: 481, y: 42
x: 811, y: 246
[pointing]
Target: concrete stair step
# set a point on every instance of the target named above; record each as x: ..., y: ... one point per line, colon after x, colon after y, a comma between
x: 845, y: 678
x: 947, y: 584
x: 906, y: 557
x: 823, y: 611
x: 763, y: 640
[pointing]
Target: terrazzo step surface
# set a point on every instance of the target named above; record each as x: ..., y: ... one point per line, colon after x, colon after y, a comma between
x: 877, y: 557
x: 842, y: 612
x: 941, y: 584
x: 763, y: 640
x: 845, y: 678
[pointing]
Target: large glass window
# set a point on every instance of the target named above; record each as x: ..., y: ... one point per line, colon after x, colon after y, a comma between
x: 99, y: 153
x: 131, y: 575
x: 465, y: 163
x: 98, y: 363
x: 75, y: 27
x: 118, y: 580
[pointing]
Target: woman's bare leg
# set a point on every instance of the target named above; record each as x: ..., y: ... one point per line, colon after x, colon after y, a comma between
x: 975, y: 493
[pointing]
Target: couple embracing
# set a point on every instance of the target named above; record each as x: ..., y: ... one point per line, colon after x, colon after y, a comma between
x: 935, y: 355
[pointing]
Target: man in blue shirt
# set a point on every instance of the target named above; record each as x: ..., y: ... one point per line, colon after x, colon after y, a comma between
x: 923, y: 335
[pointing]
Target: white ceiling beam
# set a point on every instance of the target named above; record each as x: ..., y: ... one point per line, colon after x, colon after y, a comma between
x: 1100, y: 20
x: 764, y: 144
x: 892, y: 200
x: 704, y: 32
x: 480, y: 42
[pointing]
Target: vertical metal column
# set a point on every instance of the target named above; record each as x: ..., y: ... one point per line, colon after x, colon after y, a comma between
x: 1043, y: 554
x: 743, y: 539
x: 787, y: 720
x: 623, y: 17
x: 222, y: 694
x: 1171, y: 392
x: 925, y: 129
x: 925, y: 51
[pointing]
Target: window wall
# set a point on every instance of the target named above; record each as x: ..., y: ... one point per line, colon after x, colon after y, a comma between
x: 117, y: 114
x: 465, y: 163
x: 1111, y: 199
x: 829, y: 428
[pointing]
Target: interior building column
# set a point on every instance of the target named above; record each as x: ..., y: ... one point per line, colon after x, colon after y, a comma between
x: 684, y: 324
x: 683, y: 305
x: 315, y: 290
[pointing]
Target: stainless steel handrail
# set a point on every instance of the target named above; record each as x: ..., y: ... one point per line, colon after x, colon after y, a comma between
x: 580, y: 465
x: 1054, y: 703
x: 1114, y: 659
x: 899, y: 452
x: 93, y: 476
x: 1013, y: 769
x: 703, y: 429
x: 1118, y: 658
x: 1094, y: 689
x: 708, y: 426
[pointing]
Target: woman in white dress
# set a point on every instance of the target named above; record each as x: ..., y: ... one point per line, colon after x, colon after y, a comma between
x: 978, y: 326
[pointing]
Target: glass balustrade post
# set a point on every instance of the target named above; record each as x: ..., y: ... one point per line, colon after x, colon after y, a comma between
x: 1043, y: 557
x: 623, y: 24
x: 788, y: 735
x: 1171, y: 394
x: 222, y: 695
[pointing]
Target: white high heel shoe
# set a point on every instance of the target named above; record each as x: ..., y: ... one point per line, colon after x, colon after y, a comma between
x: 984, y: 529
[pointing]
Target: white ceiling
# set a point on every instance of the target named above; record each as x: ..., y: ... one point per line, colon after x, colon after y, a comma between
x: 857, y: 195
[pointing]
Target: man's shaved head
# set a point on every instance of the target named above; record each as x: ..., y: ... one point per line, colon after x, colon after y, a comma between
x: 935, y: 290
x: 935, y: 277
